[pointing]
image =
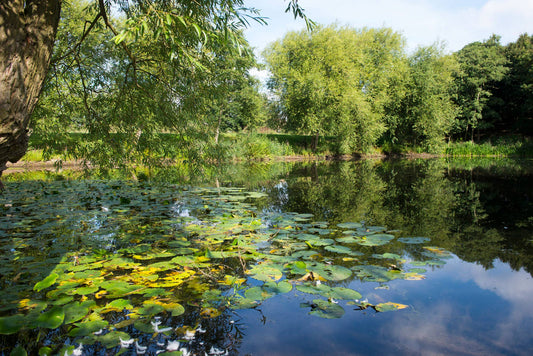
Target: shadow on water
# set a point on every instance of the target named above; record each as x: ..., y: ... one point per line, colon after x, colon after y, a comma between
x: 481, y: 213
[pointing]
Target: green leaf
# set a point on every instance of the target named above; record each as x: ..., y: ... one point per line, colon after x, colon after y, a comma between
x: 51, y: 319
x: 77, y: 310
x: 18, y: 351
x: 279, y: 288
x: 11, y: 324
x: 385, y: 307
x: 349, y: 225
x: 45, y: 283
x: 326, y: 310
x: 87, y: 327
x: 414, y: 240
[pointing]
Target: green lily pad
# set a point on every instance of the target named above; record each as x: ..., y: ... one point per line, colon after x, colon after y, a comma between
x: 45, y: 283
x: 265, y: 273
x: 325, y: 309
x: 385, y: 307
x: 414, y: 240
x: 51, y: 319
x: 349, y: 225
x: 338, y: 249
x: 330, y: 272
x: 320, y: 289
x: 11, y: 324
x: 112, y: 338
x: 87, y: 327
x: 257, y: 293
x: 277, y: 288
x: 344, y: 293
x: 76, y: 311
x: 375, y: 240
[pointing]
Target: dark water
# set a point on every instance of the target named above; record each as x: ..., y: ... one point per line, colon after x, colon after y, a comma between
x: 479, y: 302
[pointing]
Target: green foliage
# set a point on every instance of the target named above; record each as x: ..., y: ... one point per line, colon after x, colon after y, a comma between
x: 421, y: 112
x: 255, y: 147
x: 505, y: 146
x: 482, y: 65
x: 123, y: 78
x: 334, y: 81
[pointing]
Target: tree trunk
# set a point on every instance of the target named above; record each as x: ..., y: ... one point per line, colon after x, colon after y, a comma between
x: 27, y: 34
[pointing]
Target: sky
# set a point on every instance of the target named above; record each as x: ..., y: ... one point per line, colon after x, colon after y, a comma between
x: 422, y: 22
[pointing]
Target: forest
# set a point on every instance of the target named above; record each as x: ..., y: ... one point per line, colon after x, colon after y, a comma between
x: 123, y: 89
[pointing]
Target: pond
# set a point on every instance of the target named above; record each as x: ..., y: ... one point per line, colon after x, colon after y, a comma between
x: 338, y: 258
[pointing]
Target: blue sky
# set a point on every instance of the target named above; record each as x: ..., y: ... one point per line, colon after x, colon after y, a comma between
x: 422, y: 22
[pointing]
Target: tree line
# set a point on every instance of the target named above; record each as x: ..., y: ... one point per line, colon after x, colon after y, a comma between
x: 146, y: 80
x: 362, y: 86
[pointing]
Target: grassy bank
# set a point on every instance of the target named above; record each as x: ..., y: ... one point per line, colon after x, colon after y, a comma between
x: 266, y: 146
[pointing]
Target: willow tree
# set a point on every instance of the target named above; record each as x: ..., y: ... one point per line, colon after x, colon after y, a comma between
x: 335, y: 81
x: 182, y: 28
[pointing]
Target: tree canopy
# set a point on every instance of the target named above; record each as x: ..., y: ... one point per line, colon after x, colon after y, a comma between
x: 159, y: 46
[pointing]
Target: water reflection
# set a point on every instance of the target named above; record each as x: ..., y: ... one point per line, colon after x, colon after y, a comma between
x: 477, y: 303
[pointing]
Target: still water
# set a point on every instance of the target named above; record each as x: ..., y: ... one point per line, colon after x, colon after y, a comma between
x: 103, y: 263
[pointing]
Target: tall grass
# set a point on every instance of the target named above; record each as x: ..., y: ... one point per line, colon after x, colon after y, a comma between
x: 254, y: 147
x: 502, y: 147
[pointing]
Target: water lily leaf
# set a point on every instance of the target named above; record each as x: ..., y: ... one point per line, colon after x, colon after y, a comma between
x: 117, y: 305
x: 349, y: 225
x: 330, y: 272
x: 112, y: 338
x: 297, y: 267
x: 310, y: 288
x: 303, y: 254
x: 338, y: 249
x: 143, y: 325
x: 325, y: 309
x: 77, y: 310
x: 52, y: 318
x: 11, y: 324
x: 347, y: 239
x: 322, y: 242
x: 18, y: 351
x: 414, y: 240
x: 385, y: 307
x: 277, y: 288
x: 387, y: 255
x: 85, y: 290
x: 257, y: 293
x: 265, y: 273
x: 243, y: 303
x: 45, y: 283
x: 375, y: 240
x: 151, y: 308
x: 45, y: 351
x: 343, y: 293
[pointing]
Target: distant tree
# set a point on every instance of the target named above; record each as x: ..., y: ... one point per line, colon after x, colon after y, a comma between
x: 422, y: 112
x: 335, y: 81
x: 516, y: 89
x: 482, y: 66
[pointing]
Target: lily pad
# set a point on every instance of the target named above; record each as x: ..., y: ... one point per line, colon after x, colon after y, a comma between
x: 52, y: 318
x: 375, y: 240
x: 325, y: 309
x: 45, y: 283
x: 385, y: 307
x: 414, y: 240
x: 349, y: 225
x: 11, y: 324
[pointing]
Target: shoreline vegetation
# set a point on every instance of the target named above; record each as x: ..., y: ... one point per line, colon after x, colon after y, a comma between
x: 246, y: 147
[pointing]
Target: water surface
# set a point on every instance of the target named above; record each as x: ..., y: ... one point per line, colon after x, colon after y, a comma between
x: 464, y: 289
